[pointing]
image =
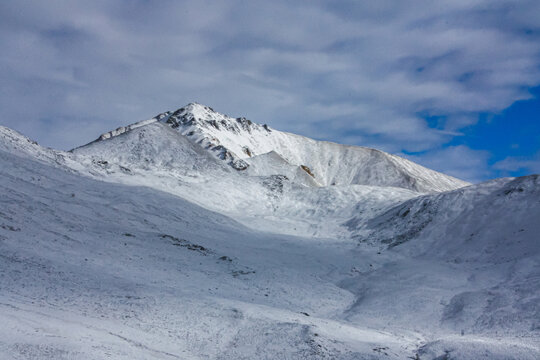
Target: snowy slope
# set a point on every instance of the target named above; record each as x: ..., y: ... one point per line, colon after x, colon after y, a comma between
x: 236, y: 140
x: 488, y: 233
x: 15, y: 143
x: 145, y: 244
x: 154, y: 147
x: 95, y: 270
x: 271, y: 195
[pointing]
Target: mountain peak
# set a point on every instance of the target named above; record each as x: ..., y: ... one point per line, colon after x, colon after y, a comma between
x: 221, y: 134
x: 197, y: 109
x: 206, y: 117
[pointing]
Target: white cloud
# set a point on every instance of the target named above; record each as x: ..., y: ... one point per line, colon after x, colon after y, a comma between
x: 459, y: 161
x: 345, y: 71
x: 516, y: 163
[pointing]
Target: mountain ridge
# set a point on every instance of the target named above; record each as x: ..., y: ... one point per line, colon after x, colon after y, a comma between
x: 237, y: 140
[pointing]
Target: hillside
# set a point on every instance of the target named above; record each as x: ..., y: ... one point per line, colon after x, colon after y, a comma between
x: 167, y: 239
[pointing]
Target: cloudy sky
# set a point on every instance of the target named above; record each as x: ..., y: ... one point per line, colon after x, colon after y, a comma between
x: 453, y: 85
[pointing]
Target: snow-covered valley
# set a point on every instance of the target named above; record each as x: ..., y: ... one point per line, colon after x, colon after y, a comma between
x: 194, y: 235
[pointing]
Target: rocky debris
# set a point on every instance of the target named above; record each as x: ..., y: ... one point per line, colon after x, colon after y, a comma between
x: 125, y: 170
x: 186, y: 244
x: 239, y: 164
x: 237, y: 273
x: 308, y: 170
x: 9, y: 227
x: 247, y: 151
x: 275, y: 183
x: 101, y: 163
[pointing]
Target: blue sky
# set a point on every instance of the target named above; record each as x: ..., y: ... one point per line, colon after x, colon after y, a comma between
x: 452, y: 85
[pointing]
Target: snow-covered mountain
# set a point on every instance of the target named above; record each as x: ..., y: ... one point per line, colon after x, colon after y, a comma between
x: 194, y: 235
x: 241, y: 143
